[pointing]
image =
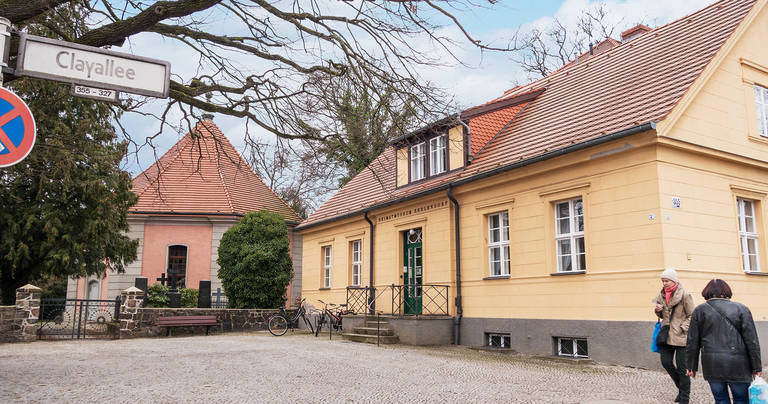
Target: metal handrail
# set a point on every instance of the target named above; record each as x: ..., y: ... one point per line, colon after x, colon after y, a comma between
x: 434, y: 299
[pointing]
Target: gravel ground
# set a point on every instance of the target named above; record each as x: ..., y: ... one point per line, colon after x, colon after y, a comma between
x: 260, y: 368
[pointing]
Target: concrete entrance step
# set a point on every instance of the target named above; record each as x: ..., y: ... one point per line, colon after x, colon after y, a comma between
x: 373, y: 330
x: 374, y: 323
x: 371, y: 339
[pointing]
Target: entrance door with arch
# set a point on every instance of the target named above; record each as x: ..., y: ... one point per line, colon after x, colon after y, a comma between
x: 412, y: 271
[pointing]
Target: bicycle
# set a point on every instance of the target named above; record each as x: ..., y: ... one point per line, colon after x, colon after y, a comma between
x: 280, y: 323
x: 333, y: 316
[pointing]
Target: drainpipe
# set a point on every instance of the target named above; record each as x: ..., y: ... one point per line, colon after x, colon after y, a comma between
x: 469, y: 140
x: 457, y: 233
x: 371, y: 297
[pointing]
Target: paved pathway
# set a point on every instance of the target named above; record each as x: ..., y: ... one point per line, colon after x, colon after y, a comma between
x: 260, y: 368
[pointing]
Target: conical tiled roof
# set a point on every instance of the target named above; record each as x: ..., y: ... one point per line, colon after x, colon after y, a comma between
x: 204, y: 174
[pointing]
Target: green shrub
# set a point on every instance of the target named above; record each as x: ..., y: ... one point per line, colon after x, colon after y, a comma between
x: 157, y: 296
x: 189, y: 297
x: 254, y: 261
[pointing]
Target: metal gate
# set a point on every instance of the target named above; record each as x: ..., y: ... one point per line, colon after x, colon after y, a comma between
x: 79, y: 319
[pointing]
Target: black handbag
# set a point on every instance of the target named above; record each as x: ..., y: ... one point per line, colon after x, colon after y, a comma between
x: 663, y: 336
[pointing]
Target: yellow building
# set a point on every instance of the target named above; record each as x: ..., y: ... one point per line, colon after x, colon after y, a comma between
x: 542, y: 220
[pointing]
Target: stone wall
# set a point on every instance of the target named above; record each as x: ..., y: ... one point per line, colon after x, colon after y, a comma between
x: 230, y: 320
x: 7, y: 315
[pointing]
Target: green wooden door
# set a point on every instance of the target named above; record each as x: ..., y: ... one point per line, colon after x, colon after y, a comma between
x: 412, y: 272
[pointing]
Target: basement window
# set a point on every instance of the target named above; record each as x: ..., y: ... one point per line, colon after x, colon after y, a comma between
x: 572, y: 347
x: 497, y: 340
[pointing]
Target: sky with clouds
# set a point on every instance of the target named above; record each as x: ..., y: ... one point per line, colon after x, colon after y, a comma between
x: 484, y: 75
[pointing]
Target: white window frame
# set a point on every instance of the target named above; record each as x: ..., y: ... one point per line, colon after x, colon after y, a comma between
x: 502, y: 244
x: 437, y: 157
x: 761, y: 109
x: 327, y: 264
x: 357, y: 262
x: 573, y: 235
x: 746, y: 212
x: 418, y: 160
x: 504, y: 339
x: 573, y: 341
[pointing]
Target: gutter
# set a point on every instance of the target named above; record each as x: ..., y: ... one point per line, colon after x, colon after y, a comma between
x: 371, y: 297
x: 457, y: 235
x: 165, y: 213
x: 522, y: 163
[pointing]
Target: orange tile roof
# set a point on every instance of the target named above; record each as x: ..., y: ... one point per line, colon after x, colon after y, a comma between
x: 204, y: 174
x: 631, y: 85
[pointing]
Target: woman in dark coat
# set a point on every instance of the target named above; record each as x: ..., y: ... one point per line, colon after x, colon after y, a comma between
x: 725, y: 334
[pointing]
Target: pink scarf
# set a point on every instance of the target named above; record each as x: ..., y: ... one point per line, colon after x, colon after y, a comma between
x: 668, y: 292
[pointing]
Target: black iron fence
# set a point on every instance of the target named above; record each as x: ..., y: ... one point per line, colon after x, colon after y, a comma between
x: 79, y: 318
x: 401, y: 300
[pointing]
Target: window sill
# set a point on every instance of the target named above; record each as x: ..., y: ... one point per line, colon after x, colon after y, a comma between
x: 324, y: 289
x: 490, y: 278
x: 568, y: 273
x: 755, y: 273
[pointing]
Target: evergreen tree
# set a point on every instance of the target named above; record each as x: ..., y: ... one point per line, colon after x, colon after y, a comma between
x: 254, y: 261
x: 63, y: 209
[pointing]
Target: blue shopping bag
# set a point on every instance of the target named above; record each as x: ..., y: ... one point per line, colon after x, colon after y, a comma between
x: 654, y: 347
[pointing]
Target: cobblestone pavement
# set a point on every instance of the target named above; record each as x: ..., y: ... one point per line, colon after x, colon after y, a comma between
x: 260, y: 368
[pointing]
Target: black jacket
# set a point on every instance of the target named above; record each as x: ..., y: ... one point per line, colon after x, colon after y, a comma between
x: 725, y: 356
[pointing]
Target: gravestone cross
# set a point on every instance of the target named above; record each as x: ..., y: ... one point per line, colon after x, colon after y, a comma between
x: 162, y: 279
x: 174, y: 296
x: 218, y: 296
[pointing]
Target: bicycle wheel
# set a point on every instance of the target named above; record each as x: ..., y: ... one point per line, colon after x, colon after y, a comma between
x: 278, y: 325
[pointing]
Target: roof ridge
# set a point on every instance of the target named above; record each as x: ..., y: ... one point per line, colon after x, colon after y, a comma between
x: 574, y: 62
x: 242, y: 162
x: 218, y: 161
x: 178, y: 148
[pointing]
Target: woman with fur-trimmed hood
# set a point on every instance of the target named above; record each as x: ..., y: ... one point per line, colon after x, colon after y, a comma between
x: 674, y: 307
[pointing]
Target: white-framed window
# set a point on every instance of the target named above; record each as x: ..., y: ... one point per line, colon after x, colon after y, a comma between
x: 357, y: 261
x: 569, y: 236
x: 497, y: 340
x: 437, y: 155
x: 748, y: 235
x: 418, y: 158
x: 761, y: 107
x: 327, y: 266
x: 498, y: 243
x: 572, y: 347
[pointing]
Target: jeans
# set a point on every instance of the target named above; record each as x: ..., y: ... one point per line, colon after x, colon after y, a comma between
x: 677, y: 373
x: 720, y: 392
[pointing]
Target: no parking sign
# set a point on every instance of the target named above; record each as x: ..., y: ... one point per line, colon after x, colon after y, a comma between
x: 17, y: 128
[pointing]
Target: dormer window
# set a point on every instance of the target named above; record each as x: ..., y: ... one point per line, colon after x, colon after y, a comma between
x: 418, y: 159
x: 438, y: 162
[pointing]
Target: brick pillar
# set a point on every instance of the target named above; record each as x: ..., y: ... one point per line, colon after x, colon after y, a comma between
x: 131, y: 300
x: 27, y: 312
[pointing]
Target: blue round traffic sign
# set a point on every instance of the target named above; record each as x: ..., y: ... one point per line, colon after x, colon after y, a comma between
x: 17, y: 128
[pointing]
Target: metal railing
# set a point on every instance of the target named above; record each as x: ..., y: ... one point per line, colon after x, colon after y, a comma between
x: 403, y: 300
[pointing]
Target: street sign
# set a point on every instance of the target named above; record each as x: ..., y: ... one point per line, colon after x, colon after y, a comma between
x: 90, y: 66
x: 95, y: 93
x: 17, y: 128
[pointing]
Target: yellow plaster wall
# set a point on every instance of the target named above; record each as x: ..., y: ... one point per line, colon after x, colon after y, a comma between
x: 720, y: 112
x: 623, y: 241
x: 456, y: 147
x: 721, y: 156
x: 402, y: 166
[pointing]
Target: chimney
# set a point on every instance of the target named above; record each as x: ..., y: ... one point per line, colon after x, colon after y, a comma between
x: 207, y: 117
x: 634, y: 32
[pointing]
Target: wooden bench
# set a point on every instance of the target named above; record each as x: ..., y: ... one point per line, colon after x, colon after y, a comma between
x: 186, y: 321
